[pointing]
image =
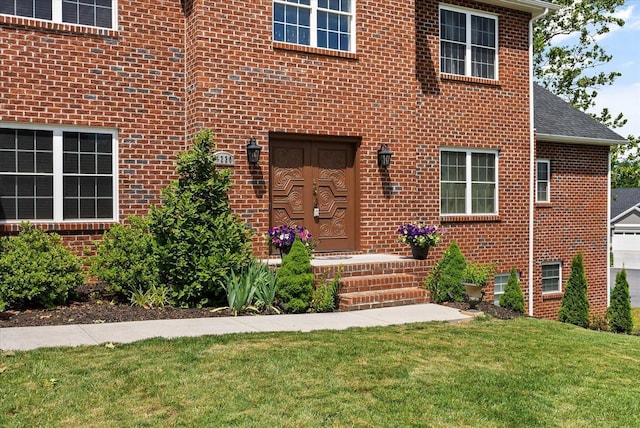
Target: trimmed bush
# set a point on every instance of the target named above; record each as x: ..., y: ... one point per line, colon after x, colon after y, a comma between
x: 513, y: 298
x: 575, y: 304
x: 199, y: 240
x: 36, y: 269
x: 445, y: 280
x: 126, y: 259
x: 619, y: 313
x: 294, y: 280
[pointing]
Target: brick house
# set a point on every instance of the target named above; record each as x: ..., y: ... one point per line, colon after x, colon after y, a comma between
x: 98, y: 98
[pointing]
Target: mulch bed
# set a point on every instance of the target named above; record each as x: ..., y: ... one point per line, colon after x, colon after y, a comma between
x: 92, y: 305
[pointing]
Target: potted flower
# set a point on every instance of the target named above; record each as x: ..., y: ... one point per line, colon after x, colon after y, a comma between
x: 420, y: 237
x: 283, y: 237
x: 474, y: 277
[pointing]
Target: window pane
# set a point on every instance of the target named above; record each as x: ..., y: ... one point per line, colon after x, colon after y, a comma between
x: 7, y: 138
x: 71, y: 209
x: 43, y: 9
x: 44, y: 141
x: 44, y: 208
x: 543, y: 171
x: 104, y: 187
x: 104, y: 208
x: 103, y: 18
x: 483, y: 63
x: 25, y: 139
x: 70, y: 185
x: 87, y: 164
x: 44, y: 162
x: 26, y: 209
x: 70, y: 141
x: 70, y: 163
x: 7, y: 185
x: 278, y: 12
x: 7, y: 161
x: 69, y: 12
x: 26, y: 162
x: 6, y: 6
x: 26, y: 185
x: 87, y: 143
x: 87, y: 187
x: 453, y: 198
x: 87, y: 208
x: 482, y: 198
x: 453, y: 26
x: 483, y: 31
x: 8, y: 209
x: 452, y: 58
x: 44, y: 186
x: 542, y: 194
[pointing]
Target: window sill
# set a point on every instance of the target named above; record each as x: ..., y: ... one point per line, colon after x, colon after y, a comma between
x: 470, y: 218
x: 80, y: 225
x: 57, y: 27
x: 544, y: 205
x: 314, y: 51
x: 554, y: 295
x: 467, y: 79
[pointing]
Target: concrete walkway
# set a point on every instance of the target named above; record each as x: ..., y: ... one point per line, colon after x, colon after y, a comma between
x: 26, y: 338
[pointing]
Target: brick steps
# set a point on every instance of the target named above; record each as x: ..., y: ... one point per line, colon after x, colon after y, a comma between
x: 383, y: 298
x: 377, y: 284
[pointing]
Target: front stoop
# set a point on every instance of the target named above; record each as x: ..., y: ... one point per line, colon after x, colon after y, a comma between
x: 379, y: 284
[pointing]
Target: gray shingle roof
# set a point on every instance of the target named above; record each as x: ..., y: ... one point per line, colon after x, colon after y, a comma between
x: 623, y: 199
x: 554, y: 116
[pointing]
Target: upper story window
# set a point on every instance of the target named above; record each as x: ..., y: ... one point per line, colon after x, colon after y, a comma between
x: 57, y: 174
x: 94, y: 13
x: 468, y: 182
x: 468, y: 43
x: 543, y: 178
x: 325, y: 24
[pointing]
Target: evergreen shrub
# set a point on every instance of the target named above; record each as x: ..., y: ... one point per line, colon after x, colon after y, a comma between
x: 445, y: 280
x: 619, y: 313
x: 294, y: 279
x: 199, y: 240
x: 126, y: 259
x: 575, y: 303
x: 36, y: 269
x: 513, y: 298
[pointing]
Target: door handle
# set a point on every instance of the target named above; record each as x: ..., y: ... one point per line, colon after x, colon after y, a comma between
x: 316, y: 209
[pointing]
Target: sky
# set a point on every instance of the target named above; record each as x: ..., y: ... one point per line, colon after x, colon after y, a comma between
x: 624, y: 95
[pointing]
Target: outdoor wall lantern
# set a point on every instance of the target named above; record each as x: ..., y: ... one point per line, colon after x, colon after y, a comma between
x: 253, y: 151
x: 384, y: 156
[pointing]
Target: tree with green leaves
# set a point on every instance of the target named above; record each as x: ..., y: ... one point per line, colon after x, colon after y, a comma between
x: 294, y: 280
x: 575, y: 303
x: 513, y: 298
x: 619, y: 313
x: 566, y: 58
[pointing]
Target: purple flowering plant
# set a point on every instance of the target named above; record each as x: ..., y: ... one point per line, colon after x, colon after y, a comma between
x: 420, y: 234
x: 284, y: 236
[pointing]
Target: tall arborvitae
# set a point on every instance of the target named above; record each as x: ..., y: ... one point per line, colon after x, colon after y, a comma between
x: 575, y: 304
x: 619, y: 312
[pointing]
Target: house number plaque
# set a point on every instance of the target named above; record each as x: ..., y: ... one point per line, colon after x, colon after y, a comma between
x: 224, y: 159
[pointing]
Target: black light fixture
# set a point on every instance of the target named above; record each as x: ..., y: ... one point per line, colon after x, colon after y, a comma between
x: 384, y: 156
x: 253, y: 151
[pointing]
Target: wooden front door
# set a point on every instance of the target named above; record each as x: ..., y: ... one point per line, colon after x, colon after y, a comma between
x: 313, y: 185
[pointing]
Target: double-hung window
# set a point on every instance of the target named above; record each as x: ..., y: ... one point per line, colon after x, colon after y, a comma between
x: 325, y: 24
x: 468, y: 182
x: 468, y: 43
x: 551, y: 277
x: 57, y: 174
x: 543, y: 179
x: 94, y: 13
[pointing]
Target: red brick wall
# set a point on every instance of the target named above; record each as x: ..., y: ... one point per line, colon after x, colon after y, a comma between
x: 473, y: 113
x: 131, y: 79
x: 575, y: 220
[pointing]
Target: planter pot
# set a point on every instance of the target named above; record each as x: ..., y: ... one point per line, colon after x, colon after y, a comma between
x: 474, y: 294
x: 419, y: 253
x: 284, y: 251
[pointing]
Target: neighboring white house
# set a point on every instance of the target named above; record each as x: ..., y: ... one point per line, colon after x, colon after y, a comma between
x: 625, y: 228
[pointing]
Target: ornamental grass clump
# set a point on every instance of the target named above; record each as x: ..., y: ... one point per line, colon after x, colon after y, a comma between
x: 419, y: 234
x: 295, y: 279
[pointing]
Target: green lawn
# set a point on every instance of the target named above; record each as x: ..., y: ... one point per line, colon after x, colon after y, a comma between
x: 484, y: 373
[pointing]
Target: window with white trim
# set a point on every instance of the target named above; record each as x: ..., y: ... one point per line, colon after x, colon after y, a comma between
x: 57, y: 174
x: 468, y: 43
x: 325, y: 24
x: 551, y: 277
x: 543, y: 179
x: 468, y: 182
x: 94, y: 13
x: 499, y: 283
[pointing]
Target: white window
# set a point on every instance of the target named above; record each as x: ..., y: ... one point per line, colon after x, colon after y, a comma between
x: 543, y: 179
x: 57, y: 174
x: 551, y: 277
x: 468, y: 43
x: 468, y: 182
x: 94, y: 13
x: 499, y: 283
x: 325, y: 24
